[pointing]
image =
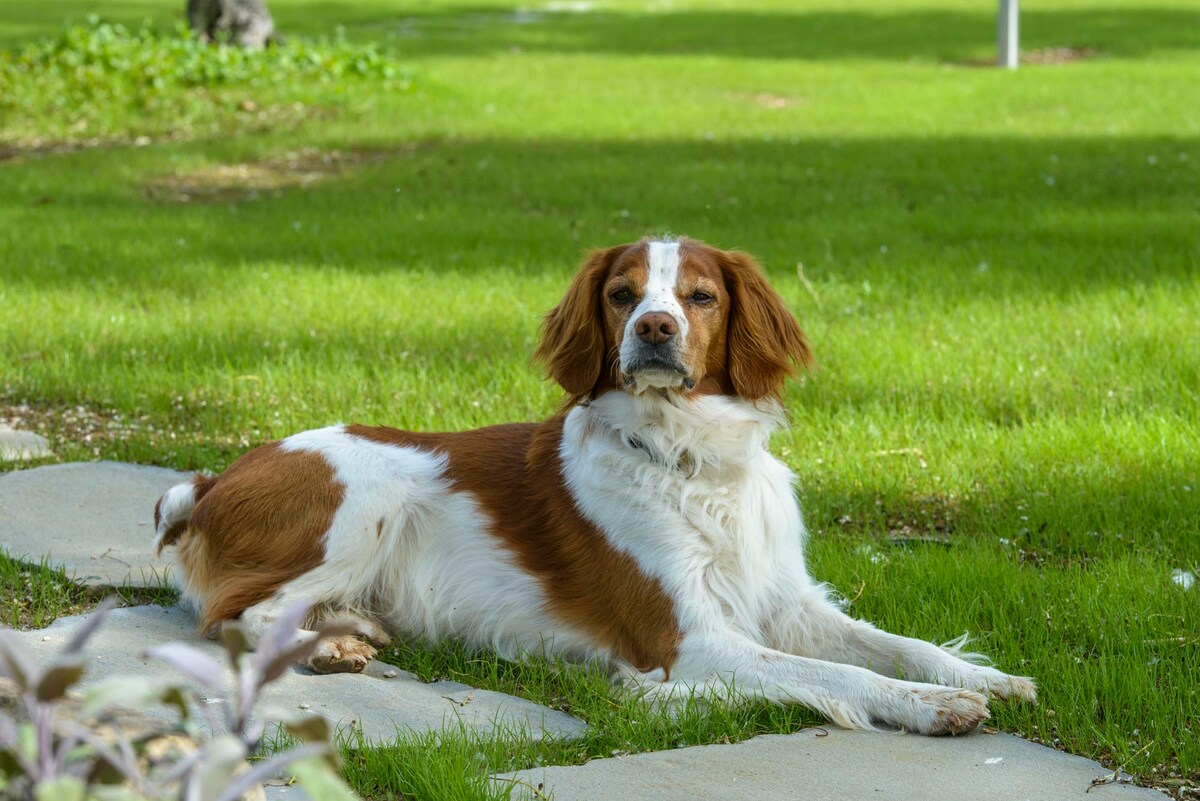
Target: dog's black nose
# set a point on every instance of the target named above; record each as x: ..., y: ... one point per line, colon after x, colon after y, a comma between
x: 655, y: 328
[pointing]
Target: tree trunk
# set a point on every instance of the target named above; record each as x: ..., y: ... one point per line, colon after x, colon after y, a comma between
x: 245, y: 23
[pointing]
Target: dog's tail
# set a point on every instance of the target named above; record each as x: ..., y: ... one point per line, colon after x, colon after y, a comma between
x: 174, y: 509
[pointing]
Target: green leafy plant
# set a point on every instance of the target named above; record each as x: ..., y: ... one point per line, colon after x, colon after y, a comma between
x: 106, y: 81
x: 48, y: 757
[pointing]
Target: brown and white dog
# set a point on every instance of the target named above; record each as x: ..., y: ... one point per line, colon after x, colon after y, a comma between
x: 647, y: 524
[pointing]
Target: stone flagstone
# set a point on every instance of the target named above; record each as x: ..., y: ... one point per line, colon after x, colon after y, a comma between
x: 382, y: 700
x: 93, y: 519
x: 828, y: 764
x: 18, y: 446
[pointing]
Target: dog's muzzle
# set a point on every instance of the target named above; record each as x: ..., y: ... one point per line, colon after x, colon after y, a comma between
x: 655, y: 365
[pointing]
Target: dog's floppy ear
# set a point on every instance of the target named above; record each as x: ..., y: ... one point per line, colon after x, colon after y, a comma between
x: 572, y: 345
x: 765, y: 341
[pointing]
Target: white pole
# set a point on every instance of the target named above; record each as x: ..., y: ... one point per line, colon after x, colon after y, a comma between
x: 1007, y: 35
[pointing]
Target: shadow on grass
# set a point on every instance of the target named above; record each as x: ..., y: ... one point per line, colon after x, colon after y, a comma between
x: 814, y: 35
x: 1052, y: 510
x: 1131, y: 32
x: 968, y: 216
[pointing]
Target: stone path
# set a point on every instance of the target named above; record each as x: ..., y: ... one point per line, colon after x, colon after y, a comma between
x: 22, y: 445
x: 382, y: 700
x: 829, y: 764
x: 95, y: 520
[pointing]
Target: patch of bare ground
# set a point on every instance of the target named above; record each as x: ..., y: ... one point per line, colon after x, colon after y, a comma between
x: 1042, y: 57
x: 767, y: 99
x: 1052, y: 56
x: 79, y: 424
x: 94, y: 430
x: 230, y: 117
x: 222, y: 183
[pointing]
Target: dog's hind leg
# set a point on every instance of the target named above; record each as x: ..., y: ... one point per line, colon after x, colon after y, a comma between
x: 345, y: 653
x: 363, y: 624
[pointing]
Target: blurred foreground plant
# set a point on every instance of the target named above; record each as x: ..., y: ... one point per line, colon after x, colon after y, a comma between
x: 46, y: 755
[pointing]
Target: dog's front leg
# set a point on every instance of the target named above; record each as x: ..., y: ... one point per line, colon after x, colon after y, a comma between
x: 809, y: 624
x: 720, y: 663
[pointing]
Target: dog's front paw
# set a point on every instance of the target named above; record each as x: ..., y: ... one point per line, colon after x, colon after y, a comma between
x: 1021, y: 688
x: 1001, y: 686
x: 341, y: 655
x: 945, y: 710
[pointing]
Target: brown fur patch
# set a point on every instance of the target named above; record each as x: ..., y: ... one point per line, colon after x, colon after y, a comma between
x: 259, y: 524
x: 515, y: 473
x: 575, y: 347
x: 765, y: 341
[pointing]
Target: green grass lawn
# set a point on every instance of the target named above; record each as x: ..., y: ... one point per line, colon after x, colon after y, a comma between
x: 1000, y: 276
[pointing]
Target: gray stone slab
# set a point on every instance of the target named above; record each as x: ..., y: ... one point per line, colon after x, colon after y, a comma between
x: 381, y: 700
x: 280, y: 790
x: 93, y: 519
x: 833, y: 765
x: 17, y: 446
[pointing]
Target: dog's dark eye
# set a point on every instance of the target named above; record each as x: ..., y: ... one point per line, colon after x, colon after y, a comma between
x: 621, y: 297
x: 701, y: 298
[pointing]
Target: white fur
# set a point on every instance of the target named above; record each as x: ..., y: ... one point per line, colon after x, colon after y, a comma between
x: 661, y: 280
x: 659, y: 296
x: 174, y: 508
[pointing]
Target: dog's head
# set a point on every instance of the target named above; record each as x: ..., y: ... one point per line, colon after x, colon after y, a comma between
x: 671, y: 315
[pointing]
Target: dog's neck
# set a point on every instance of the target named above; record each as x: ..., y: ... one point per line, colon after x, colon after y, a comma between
x: 692, y: 434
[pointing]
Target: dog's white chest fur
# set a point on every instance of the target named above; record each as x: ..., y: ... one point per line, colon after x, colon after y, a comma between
x: 693, y: 495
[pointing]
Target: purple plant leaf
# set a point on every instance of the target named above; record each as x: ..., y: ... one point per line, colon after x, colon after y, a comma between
x: 136, y: 692
x: 8, y: 730
x: 299, y: 652
x: 10, y: 737
x: 120, y: 763
x: 282, y: 632
x: 234, y: 640
x: 15, y: 664
x: 310, y: 728
x: 61, y: 755
x: 57, y: 680
x: 252, y: 733
x: 267, y: 768
x: 222, y: 757
x: 320, y: 779
x: 183, y: 767
x: 248, y: 685
x: 90, y: 625
x: 191, y: 662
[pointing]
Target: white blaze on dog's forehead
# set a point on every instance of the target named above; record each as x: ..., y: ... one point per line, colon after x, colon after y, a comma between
x: 662, y: 276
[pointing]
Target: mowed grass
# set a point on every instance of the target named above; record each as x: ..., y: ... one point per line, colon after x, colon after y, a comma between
x: 1000, y: 273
